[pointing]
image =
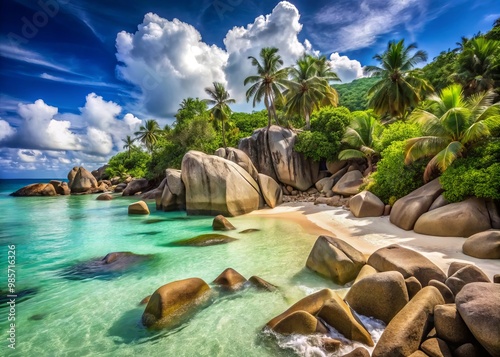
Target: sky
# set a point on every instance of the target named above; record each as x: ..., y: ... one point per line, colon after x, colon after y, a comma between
x: 77, y: 76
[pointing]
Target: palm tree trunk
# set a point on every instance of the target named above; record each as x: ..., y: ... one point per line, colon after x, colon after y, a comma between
x: 308, y: 120
x: 369, y: 161
x: 223, y: 134
x: 266, y: 103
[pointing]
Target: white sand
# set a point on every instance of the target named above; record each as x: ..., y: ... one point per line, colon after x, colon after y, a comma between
x: 369, y: 234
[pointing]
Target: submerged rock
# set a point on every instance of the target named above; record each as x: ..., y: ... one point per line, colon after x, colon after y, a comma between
x: 250, y: 230
x: 230, y: 279
x: 203, y: 240
x: 113, y: 264
x: 175, y: 302
x: 221, y: 223
x: 300, y: 322
x: 260, y: 283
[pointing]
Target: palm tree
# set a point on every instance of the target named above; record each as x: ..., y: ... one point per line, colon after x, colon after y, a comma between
x: 479, y: 68
x: 361, y: 136
x: 306, y: 90
x: 148, y: 134
x: 400, y: 87
x: 325, y: 72
x: 451, y: 125
x: 220, y: 99
x: 129, y: 144
x: 269, y: 81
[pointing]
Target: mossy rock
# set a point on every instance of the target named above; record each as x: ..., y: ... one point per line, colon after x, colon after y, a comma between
x: 203, y: 240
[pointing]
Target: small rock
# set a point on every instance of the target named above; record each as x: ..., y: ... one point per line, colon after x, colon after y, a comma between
x: 139, y: 207
x: 300, y: 322
x: 445, y: 291
x: 221, y: 223
x: 366, y: 204
x: 203, y: 240
x: 230, y: 279
x: 330, y: 344
x: 436, y: 347
x: 260, y: 283
x: 358, y: 352
x: 483, y: 245
x: 145, y: 300
x: 104, y: 197
x: 413, y: 286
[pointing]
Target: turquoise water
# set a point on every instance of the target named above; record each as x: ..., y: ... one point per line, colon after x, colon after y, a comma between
x: 101, y: 317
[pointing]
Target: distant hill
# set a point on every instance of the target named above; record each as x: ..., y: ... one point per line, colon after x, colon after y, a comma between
x: 354, y: 95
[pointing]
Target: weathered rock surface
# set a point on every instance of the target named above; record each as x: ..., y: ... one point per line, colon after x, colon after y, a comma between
x: 271, y: 151
x: 405, y: 332
x: 409, y: 208
x: 174, y: 302
x: 413, y: 286
x: 271, y: 191
x: 36, y: 189
x: 466, y: 275
x: 311, y: 304
x: 100, y: 173
x: 461, y: 219
x: 325, y: 184
x: 445, y: 291
x: 365, y: 271
x: 438, y: 203
x: 240, y: 158
x: 221, y: 223
x: 111, y: 265
x: 300, y: 322
x: 366, y: 204
x: 203, y: 240
x: 435, y: 347
x: 479, y: 306
x: 336, y: 313
x: 335, y: 166
x: 218, y: 186
x: 349, y: 184
x: 483, y: 245
x: 60, y: 187
x: 335, y: 259
x: 139, y: 207
x: 81, y: 181
x: 230, y: 279
x: 407, y: 262
x: 104, y: 197
x: 450, y: 326
x: 380, y: 295
x: 135, y: 186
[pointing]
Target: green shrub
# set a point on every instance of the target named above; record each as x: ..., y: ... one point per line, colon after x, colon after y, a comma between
x: 398, y: 131
x: 393, y: 179
x: 477, y: 175
x: 327, y: 128
x: 122, y: 165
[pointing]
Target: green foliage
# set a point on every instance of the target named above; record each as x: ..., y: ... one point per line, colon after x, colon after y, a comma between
x: 398, y: 131
x: 354, y: 95
x: 440, y: 71
x: 248, y: 122
x: 327, y: 128
x: 393, y: 179
x: 123, y: 164
x: 477, y: 175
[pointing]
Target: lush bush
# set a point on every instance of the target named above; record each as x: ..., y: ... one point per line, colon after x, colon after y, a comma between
x: 248, y: 122
x: 393, y: 179
x: 354, y: 95
x: 327, y: 128
x: 122, y: 165
x: 477, y: 175
x: 398, y: 131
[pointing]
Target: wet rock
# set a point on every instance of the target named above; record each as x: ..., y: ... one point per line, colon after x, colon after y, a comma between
x: 203, y: 240
x: 407, y: 329
x: 250, y: 230
x: 365, y: 271
x: 407, y: 262
x: 483, y: 245
x: 479, y: 307
x: 221, y: 223
x: 104, y: 197
x: 139, y: 207
x: 145, y: 300
x: 230, y: 279
x: 330, y: 344
x: 358, y: 352
x: 112, y: 265
x: 300, y: 322
x: 174, y: 303
x: 335, y: 259
x: 260, y: 283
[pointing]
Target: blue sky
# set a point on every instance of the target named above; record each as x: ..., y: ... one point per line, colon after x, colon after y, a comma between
x: 77, y: 76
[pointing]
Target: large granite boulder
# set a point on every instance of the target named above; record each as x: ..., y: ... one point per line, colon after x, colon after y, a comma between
x: 335, y: 259
x: 461, y: 219
x: 172, y: 303
x: 483, y: 245
x: 311, y: 304
x: 336, y: 313
x: 380, y: 295
x: 409, y: 208
x: 240, y: 158
x: 404, y: 334
x: 300, y: 322
x: 349, y: 184
x: 271, y: 151
x: 271, y: 191
x: 218, y: 186
x: 450, y: 326
x: 60, y: 187
x: 135, y: 186
x: 479, y: 307
x: 407, y: 262
x: 81, y: 181
x: 335, y: 166
x: 366, y: 204
x: 100, y: 173
x: 466, y: 275
x: 36, y: 189
x: 139, y: 207
x: 325, y: 184
x: 173, y: 195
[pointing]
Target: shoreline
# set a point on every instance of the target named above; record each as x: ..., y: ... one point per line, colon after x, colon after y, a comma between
x: 369, y: 234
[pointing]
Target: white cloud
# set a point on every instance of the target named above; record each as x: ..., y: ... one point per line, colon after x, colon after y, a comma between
x: 99, y: 113
x: 98, y: 142
x: 31, y: 156
x: 168, y: 61
x: 19, y: 54
x: 346, y: 68
x: 6, y: 130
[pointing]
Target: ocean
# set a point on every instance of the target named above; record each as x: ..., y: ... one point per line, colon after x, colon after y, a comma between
x: 63, y: 316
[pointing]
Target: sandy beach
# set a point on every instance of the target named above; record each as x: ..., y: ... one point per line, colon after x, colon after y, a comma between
x: 369, y: 234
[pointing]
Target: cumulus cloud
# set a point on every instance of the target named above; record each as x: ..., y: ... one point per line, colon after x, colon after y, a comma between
x: 168, y: 61
x: 346, y: 68
x: 6, y: 130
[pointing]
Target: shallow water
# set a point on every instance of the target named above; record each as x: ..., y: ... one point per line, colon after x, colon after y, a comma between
x: 101, y: 317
